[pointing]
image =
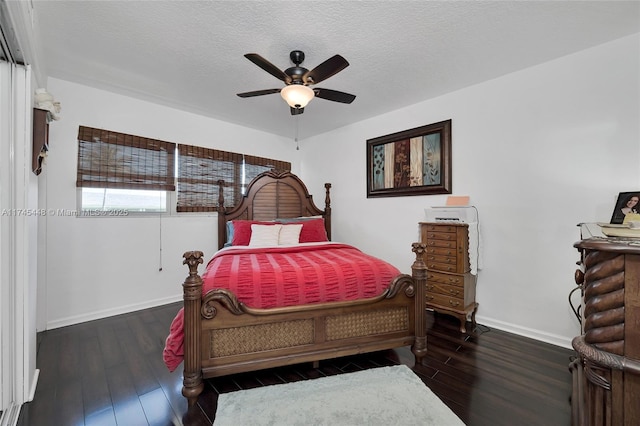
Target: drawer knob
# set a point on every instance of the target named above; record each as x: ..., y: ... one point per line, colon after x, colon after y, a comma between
x: 452, y: 303
x: 429, y: 297
x: 454, y: 292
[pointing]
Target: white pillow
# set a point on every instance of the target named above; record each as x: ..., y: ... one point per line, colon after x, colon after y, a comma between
x: 264, y: 235
x: 289, y: 234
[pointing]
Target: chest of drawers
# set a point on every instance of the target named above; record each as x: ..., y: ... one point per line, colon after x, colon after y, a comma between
x: 451, y: 288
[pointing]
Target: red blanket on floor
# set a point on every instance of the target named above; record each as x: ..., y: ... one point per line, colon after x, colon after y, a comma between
x: 288, y: 276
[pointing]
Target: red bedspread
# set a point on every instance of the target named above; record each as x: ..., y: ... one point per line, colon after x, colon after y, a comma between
x: 287, y: 276
x: 297, y: 275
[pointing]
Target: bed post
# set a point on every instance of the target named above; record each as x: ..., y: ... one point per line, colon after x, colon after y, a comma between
x: 419, y: 273
x: 192, y: 384
x: 222, y: 221
x: 327, y: 210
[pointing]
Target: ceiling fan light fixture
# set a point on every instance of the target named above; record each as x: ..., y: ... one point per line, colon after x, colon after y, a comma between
x: 297, y: 79
x: 297, y: 95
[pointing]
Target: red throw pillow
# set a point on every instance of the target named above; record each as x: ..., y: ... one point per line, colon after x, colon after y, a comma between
x: 242, y: 231
x: 313, y: 231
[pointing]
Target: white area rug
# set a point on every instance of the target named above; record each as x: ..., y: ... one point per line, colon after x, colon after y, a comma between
x: 380, y: 396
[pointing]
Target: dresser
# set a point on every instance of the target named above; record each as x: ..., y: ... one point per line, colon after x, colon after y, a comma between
x: 606, y: 371
x: 451, y: 287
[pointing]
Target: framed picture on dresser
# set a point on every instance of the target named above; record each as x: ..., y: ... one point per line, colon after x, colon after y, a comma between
x: 411, y: 162
x: 627, y: 203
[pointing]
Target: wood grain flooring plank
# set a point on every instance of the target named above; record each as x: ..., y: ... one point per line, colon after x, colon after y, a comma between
x: 268, y: 377
x: 145, y: 342
x: 126, y: 404
x: 104, y: 417
x: 224, y: 384
x: 143, y: 378
x: 69, y: 407
x: 287, y: 374
x: 206, y: 406
x: 158, y: 333
x: 169, y: 382
x: 95, y: 390
x: 486, y: 376
x: 501, y: 368
x: 110, y: 346
x: 69, y: 356
x: 157, y: 409
x: 147, y: 316
x: 42, y: 410
x: 513, y: 385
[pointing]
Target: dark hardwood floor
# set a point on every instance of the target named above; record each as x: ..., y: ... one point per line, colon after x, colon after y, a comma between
x: 110, y: 372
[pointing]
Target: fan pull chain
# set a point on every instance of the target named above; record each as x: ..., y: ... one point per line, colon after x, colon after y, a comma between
x: 160, y: 242
x: 296, y: 137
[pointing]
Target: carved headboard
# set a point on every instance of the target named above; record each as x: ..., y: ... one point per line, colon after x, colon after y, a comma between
x: 273, y: 195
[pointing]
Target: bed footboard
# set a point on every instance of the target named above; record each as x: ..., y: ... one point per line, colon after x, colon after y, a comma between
x: 223, y: 336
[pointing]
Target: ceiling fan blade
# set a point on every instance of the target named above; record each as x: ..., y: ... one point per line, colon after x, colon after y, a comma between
x: 268, y: 67
x: 258, y: 93
x: 334, y: 95
x: 325, y: 70
x: 296, y: 111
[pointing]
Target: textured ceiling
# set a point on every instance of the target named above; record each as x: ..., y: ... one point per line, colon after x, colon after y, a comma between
x: 189, y: 54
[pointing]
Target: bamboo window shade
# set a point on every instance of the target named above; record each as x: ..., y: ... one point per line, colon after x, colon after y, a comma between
x: 109, y: 159
x: 199, y: 170
x: 253, y: 166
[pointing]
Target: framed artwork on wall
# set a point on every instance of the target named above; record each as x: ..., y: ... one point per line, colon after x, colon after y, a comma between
x: 627, y: 203
x: 412, y: 162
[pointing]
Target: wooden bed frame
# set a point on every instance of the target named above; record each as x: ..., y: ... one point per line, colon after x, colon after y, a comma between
x: 223, y: 336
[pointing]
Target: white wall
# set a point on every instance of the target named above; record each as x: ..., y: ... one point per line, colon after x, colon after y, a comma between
x: 538, y: 151
x: 96, y: 267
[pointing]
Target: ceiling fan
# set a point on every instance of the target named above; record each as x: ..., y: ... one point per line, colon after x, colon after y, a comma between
x: 297, y: 92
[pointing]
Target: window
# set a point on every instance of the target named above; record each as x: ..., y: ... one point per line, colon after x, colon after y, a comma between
x: 131, y: 200
x: 125, y: 172
x: 122, y: 172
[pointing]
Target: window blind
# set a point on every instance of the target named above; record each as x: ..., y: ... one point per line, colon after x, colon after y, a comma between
x: 109, y: 159
x: 253, y: 166
x: 199, y: 170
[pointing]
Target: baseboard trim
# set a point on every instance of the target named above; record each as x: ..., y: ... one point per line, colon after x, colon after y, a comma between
x: 531, y: 333
x: 77, y: 319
